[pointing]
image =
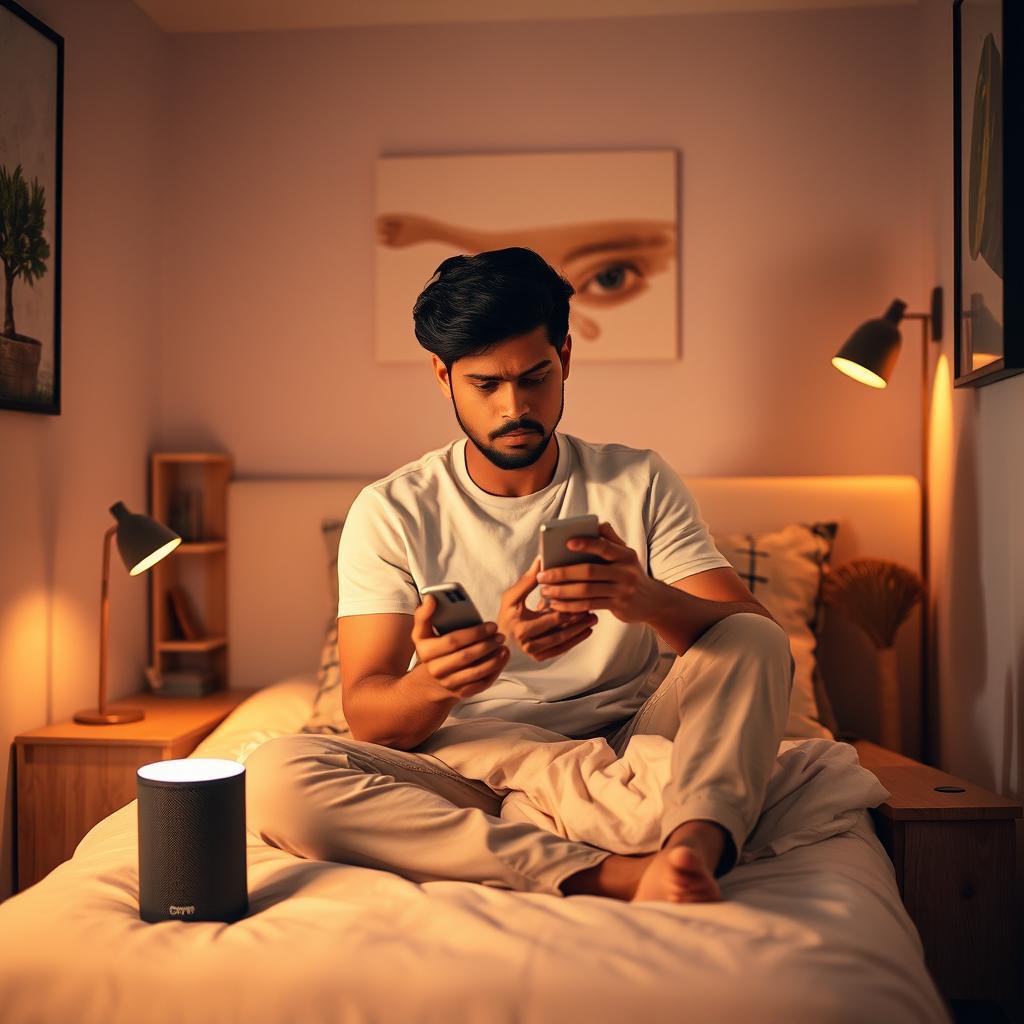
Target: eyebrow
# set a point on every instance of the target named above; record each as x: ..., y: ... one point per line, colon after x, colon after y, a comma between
x: 608, y: 245
x: 488, y: 377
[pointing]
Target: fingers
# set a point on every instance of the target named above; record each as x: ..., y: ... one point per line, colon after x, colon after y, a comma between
x: 429, y: 646
x: 559, y: 641
x: 545, y: 623
x: 607, y: 530
x: 476, y: 677
x: 447, y: 667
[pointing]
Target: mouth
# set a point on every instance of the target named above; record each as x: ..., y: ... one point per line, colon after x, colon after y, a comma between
x: 519, y: 435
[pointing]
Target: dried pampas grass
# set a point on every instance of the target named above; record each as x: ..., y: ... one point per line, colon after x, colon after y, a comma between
x: 875, y: 594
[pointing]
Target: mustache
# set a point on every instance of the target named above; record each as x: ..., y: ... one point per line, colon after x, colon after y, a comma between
x: 520, y: 427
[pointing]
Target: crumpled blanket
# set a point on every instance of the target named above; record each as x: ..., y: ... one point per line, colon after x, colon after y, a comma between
x: 817, y: 789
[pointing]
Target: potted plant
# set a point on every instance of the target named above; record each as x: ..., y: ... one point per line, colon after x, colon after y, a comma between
x: 24, y: 252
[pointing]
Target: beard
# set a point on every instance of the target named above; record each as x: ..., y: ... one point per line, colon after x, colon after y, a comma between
x: 514, y: 458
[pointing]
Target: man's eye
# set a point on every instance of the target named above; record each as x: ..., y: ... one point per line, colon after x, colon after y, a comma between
x: 491, y: 385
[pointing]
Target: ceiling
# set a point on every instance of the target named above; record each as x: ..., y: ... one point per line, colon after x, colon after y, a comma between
x: 272, y: 15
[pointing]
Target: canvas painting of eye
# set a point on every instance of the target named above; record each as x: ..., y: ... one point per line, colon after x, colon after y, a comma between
x: 606, y: 221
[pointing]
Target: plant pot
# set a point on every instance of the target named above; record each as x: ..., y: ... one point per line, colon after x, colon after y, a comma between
x: 19, y: 366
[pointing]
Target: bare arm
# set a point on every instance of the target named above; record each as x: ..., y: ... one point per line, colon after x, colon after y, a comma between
x: 386, y: 704
x: 695, y: 603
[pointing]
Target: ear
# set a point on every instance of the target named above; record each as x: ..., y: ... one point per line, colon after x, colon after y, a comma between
x: 441, y: 376
x: 564, y: 355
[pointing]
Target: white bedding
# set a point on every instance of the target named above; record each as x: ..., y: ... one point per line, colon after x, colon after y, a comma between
x: 815, y: 933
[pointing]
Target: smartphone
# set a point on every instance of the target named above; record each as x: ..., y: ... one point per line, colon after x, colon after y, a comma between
x: 554, y: 534
x: 454, y: 608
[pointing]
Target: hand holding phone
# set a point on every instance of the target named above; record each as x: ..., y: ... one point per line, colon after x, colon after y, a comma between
x: 540, y: 634
x: 554, y: 535
x: 462, y: 653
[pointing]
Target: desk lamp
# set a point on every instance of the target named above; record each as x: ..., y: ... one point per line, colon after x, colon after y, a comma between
x: 869, y: 356
x: 142, y: 542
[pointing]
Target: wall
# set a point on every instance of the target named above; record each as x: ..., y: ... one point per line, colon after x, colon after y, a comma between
x: 799, y: 138
x: 60, y: 474
x: 977, y: 481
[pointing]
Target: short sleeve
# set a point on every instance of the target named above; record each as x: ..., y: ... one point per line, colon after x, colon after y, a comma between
x: 678, y: 541
x: 373, y: 561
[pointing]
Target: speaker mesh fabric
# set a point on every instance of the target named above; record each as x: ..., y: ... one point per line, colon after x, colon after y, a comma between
x: 192, y: 862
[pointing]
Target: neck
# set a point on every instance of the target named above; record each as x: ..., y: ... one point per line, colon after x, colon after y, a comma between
x: 512, y: 483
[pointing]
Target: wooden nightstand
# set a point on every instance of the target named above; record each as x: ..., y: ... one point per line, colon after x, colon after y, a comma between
x: 71, y: 776
x: 954, y: 858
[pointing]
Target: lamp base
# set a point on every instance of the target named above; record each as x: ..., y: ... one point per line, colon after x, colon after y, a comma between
x: 112, y: 716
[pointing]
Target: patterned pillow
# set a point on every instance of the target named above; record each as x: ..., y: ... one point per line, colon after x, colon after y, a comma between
x: 327, y: 713
x: 784, y: 570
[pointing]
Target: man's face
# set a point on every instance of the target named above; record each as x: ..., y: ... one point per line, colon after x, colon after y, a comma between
x: 516, y: 386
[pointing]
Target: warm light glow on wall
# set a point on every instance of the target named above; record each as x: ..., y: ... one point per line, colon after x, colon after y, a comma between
x: 940, y: 462
x: 24, y: 641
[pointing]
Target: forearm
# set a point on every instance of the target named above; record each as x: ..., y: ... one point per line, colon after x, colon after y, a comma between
x: 680, y: 618
x: 397, y: 711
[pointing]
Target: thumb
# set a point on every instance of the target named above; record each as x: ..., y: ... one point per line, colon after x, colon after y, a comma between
x: 518, y: 591
x: 421, y: 618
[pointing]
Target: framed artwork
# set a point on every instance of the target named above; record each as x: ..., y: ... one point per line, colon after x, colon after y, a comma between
x: 606, y: 221
x: 31, y: 123
x: 988, y: 293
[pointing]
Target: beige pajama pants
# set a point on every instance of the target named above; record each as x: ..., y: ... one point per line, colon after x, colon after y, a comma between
x: 436, y: 812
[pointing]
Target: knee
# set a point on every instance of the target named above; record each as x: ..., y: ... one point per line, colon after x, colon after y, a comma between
x: 272, y: 779
x: 755, y: 634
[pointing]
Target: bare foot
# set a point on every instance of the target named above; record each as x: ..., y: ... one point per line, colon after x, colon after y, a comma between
x: 678, y: 874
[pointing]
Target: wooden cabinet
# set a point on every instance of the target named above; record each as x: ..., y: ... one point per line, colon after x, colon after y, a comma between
x: 188, y: 492
x: 70, y: 776
x: 953, y: 847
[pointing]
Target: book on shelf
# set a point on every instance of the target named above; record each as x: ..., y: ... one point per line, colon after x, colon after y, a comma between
x: 182, y: 615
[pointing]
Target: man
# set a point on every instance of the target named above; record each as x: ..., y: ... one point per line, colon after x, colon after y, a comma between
x: 443, y: 728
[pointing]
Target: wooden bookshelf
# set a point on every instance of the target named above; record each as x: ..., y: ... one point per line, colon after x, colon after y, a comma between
x: 188, y: 492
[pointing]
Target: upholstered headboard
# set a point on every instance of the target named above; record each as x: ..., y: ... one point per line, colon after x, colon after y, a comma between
x: 278, y: 600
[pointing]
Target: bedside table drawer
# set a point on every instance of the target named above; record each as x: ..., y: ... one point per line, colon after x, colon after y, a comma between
x: 65, y: 789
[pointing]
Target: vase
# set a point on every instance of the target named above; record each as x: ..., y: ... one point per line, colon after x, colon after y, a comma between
x: 889, y: 709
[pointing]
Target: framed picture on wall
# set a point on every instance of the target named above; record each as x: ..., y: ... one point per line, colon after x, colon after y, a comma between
x: 31, y: 123
x: 607, y: 221
x: 988, y: 294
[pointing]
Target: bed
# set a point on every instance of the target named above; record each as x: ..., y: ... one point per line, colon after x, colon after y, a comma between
x: 816, y: 933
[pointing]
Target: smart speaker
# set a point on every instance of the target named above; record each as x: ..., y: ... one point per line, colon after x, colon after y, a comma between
x: 192, y: 840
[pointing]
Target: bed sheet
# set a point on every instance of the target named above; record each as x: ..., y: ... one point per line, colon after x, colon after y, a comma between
x: 816, y: 934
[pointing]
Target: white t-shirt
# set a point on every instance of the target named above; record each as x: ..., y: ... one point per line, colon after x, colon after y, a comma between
x: 428, y: 522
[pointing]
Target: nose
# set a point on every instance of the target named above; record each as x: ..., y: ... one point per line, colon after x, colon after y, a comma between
x: 515, y: 405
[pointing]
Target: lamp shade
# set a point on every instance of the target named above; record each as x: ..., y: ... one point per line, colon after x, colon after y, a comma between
x: 141, y: 540
x: 870, y: 353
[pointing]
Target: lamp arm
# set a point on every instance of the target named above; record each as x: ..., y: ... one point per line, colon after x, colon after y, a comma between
x: 933, y: 320
x: 105, y: 616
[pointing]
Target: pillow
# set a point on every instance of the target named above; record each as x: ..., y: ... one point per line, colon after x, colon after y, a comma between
x: 327, y: 714
x: 784, y: 570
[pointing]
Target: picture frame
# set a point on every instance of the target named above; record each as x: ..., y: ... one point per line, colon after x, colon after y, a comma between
x: 988, y: 304
x: 31, y: 186
x: 606, y: 220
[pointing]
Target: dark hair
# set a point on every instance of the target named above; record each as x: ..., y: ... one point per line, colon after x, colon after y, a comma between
x: 473, y: 302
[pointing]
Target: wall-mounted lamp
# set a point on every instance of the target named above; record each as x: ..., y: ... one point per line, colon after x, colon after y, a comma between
x: 142, y: 542
x: 869, y: 356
